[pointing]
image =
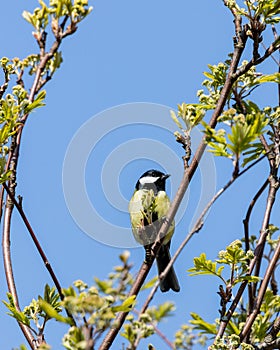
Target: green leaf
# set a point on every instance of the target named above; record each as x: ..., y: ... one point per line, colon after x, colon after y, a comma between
x: 209, y: 75
x: 5, y: 176
x: 269, y: 78
x: 38, y: 102
x: 233, y: 254
x: 52, y: 313
x: 73, y: 339
x: 205, y: 267
x: 28, y: 17
x: 233, y: 328
x: 126, y: 306
x: 104, y: 286
x: 201, y: 325
x: 14, y: 312
x: 249, y: 279
x: 161, y: 311
x: 150, y: 283
x: 52, y: 297
x: 176, y: 120
x: 69, y: 292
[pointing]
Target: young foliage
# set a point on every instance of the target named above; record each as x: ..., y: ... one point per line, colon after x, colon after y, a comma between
x: 19, y: 316
x: 230, y: 342
x: 266, y: 11
x: 205, y: 267
x: 242, y: 126
x: 38, y: 312
x: 186, y: 338
x: 144, y: 326
x: 242, y: 139
x: 75, y: 10
x: 234, y: 257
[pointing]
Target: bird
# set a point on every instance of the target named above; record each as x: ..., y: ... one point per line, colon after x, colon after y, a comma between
x: 148, y: 208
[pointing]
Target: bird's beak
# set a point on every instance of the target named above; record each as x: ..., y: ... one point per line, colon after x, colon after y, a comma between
x: 166, y: 176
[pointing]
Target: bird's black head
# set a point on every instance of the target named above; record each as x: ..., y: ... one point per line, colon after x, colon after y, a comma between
x: 152, y: 179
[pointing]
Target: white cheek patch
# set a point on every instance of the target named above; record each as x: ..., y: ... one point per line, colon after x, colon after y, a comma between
x: 148, y: 180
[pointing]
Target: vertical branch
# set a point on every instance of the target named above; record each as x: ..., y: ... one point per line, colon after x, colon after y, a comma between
x: 271, y: 267
x: 12, y: 163
x: 273, y: 187
x: 6, y: 244
x: 249, y: 212
x: 246, y: 222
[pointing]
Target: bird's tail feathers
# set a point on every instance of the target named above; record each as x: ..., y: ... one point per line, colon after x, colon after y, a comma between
x: 171, y: 280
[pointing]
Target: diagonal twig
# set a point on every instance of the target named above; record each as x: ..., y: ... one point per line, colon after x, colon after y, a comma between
x: 273, y: 187
x: 35, y: 240
x: 269, y: 271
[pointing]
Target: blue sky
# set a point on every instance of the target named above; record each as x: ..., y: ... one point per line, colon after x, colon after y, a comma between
x: 152, y: 52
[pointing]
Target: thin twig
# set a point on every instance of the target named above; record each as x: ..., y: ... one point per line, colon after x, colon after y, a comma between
x: 7, y: 167
x: 269, y: 51
x: 272, y: 158
x: 271, y: 267
x: 246, y: 236
x: 4, y: 86
x: 272, y: 56
x: 273, y: 187
x: 6, y: 244
x: 249, y: 212
x: 258, y: 254
x: 35, y: 241
x: 163, y: 337
x: 159, y: 333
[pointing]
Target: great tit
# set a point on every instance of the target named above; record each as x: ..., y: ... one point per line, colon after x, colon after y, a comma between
x: 148, y: 208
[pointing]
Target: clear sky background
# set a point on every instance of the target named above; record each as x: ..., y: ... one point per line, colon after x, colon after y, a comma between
x: 125, y: 52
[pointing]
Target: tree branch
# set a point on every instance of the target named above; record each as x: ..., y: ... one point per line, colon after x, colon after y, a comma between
x: 159, y: 333
x: 233, y: 74
x: 6, y: 245
x: 269, y: 271
x: 269, y: 51
x: 187, y: 177
x: 273, y: 187
x: 249, y: 212
x: 269, y: 346
x: 12, y: 163
x: 246, y: 236
x: 196, y: 228
x: 35, y: 240
x: 188, y: 174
